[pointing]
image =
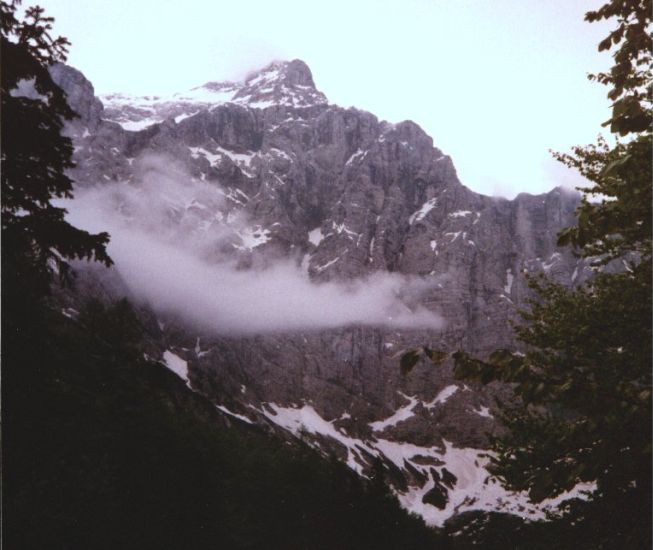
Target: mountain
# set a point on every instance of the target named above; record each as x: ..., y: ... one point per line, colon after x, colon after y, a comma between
x: 283, y: 176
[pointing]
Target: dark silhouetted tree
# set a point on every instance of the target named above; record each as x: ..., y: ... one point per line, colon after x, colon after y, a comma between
x: 36, y: 238
x: 584, y: 382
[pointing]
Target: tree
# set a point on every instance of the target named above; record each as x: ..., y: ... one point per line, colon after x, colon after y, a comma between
x: 629, y: 78
x: 36, y: 239
x: 583, y: 383
x: 621, y: 223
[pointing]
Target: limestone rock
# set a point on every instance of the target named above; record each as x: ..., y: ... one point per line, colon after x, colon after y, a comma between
x: 350, y: 196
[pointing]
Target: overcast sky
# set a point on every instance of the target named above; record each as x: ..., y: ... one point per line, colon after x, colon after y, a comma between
x: 496, y: 83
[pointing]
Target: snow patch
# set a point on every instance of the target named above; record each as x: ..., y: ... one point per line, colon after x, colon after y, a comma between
x: 197, y: 152
x: 70, y: 312
x: 472, y: 487
x: 420, y: 214
x: 484, y: 411
x: 274, y: 152
x: 252, y: 237
x: 460, y: 214
x: 184, y: 116
x: 177, y: 365
x: 442, y: 396
x: 315, y: 236
x: 342, y: 228
x: 574, y: 275
x: 235, y: 415
x: 400, y: 415
x: 322, y: 267
x: 205, y: 95
x: 357, y: 155
x: 553, y: 259
x: 306, y: 419
x: 242, y: 160
x: 509, y: 280
x: 138, y: 125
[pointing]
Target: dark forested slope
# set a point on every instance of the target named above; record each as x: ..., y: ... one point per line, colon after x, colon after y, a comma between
x: 106, y: 449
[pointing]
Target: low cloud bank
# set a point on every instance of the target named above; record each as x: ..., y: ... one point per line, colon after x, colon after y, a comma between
x: 170, y: 240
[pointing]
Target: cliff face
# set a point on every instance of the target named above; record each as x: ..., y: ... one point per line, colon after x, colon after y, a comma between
x: 345, y: 195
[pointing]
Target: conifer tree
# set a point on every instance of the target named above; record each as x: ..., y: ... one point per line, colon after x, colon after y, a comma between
x: 36, y: 238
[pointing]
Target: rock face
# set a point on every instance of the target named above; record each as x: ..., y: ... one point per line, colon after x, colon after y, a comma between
x: 80, y: 94
x: 348, y: 195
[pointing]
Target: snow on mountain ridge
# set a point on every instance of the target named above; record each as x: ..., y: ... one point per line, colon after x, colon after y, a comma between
x: 288, y: 83
x: 453, y: 479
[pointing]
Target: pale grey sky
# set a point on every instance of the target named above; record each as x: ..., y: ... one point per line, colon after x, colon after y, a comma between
x: 496, y: 83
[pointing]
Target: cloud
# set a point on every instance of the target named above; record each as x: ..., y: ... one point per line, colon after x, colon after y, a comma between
x: 173, y: 242
x: 559, y: 175
x: 240, y: 56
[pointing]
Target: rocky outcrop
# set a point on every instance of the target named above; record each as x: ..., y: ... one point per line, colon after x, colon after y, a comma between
x: 80, y: 94
x: 347, y: 195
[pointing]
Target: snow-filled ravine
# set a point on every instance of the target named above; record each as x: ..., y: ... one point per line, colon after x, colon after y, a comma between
x: 461, y: 473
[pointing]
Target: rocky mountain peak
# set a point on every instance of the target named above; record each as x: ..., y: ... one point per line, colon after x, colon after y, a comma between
x: 79, y: 93
x: 287, y: 83
x: 282, y: 175
x: 290, y: 73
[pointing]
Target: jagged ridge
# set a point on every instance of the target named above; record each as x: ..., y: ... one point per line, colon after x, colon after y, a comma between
x: 350, y: 195
x: 279, y: 83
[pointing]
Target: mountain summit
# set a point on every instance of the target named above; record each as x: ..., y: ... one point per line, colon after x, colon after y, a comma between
x: 282, y: 82
x: 288, y: 83
x: 290, y: 73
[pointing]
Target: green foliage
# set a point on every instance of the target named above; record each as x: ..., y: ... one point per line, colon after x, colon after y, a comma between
x: 36, y: 239
x: 583, y: 389
x: 497, y: 531
x: 620, y: 176
x: 621, y: 222
x: 585, y: 381
x: 629, y: 78
x: 410, y: 358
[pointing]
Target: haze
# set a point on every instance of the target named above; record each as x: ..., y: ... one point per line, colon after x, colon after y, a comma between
x: 172, y: 241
